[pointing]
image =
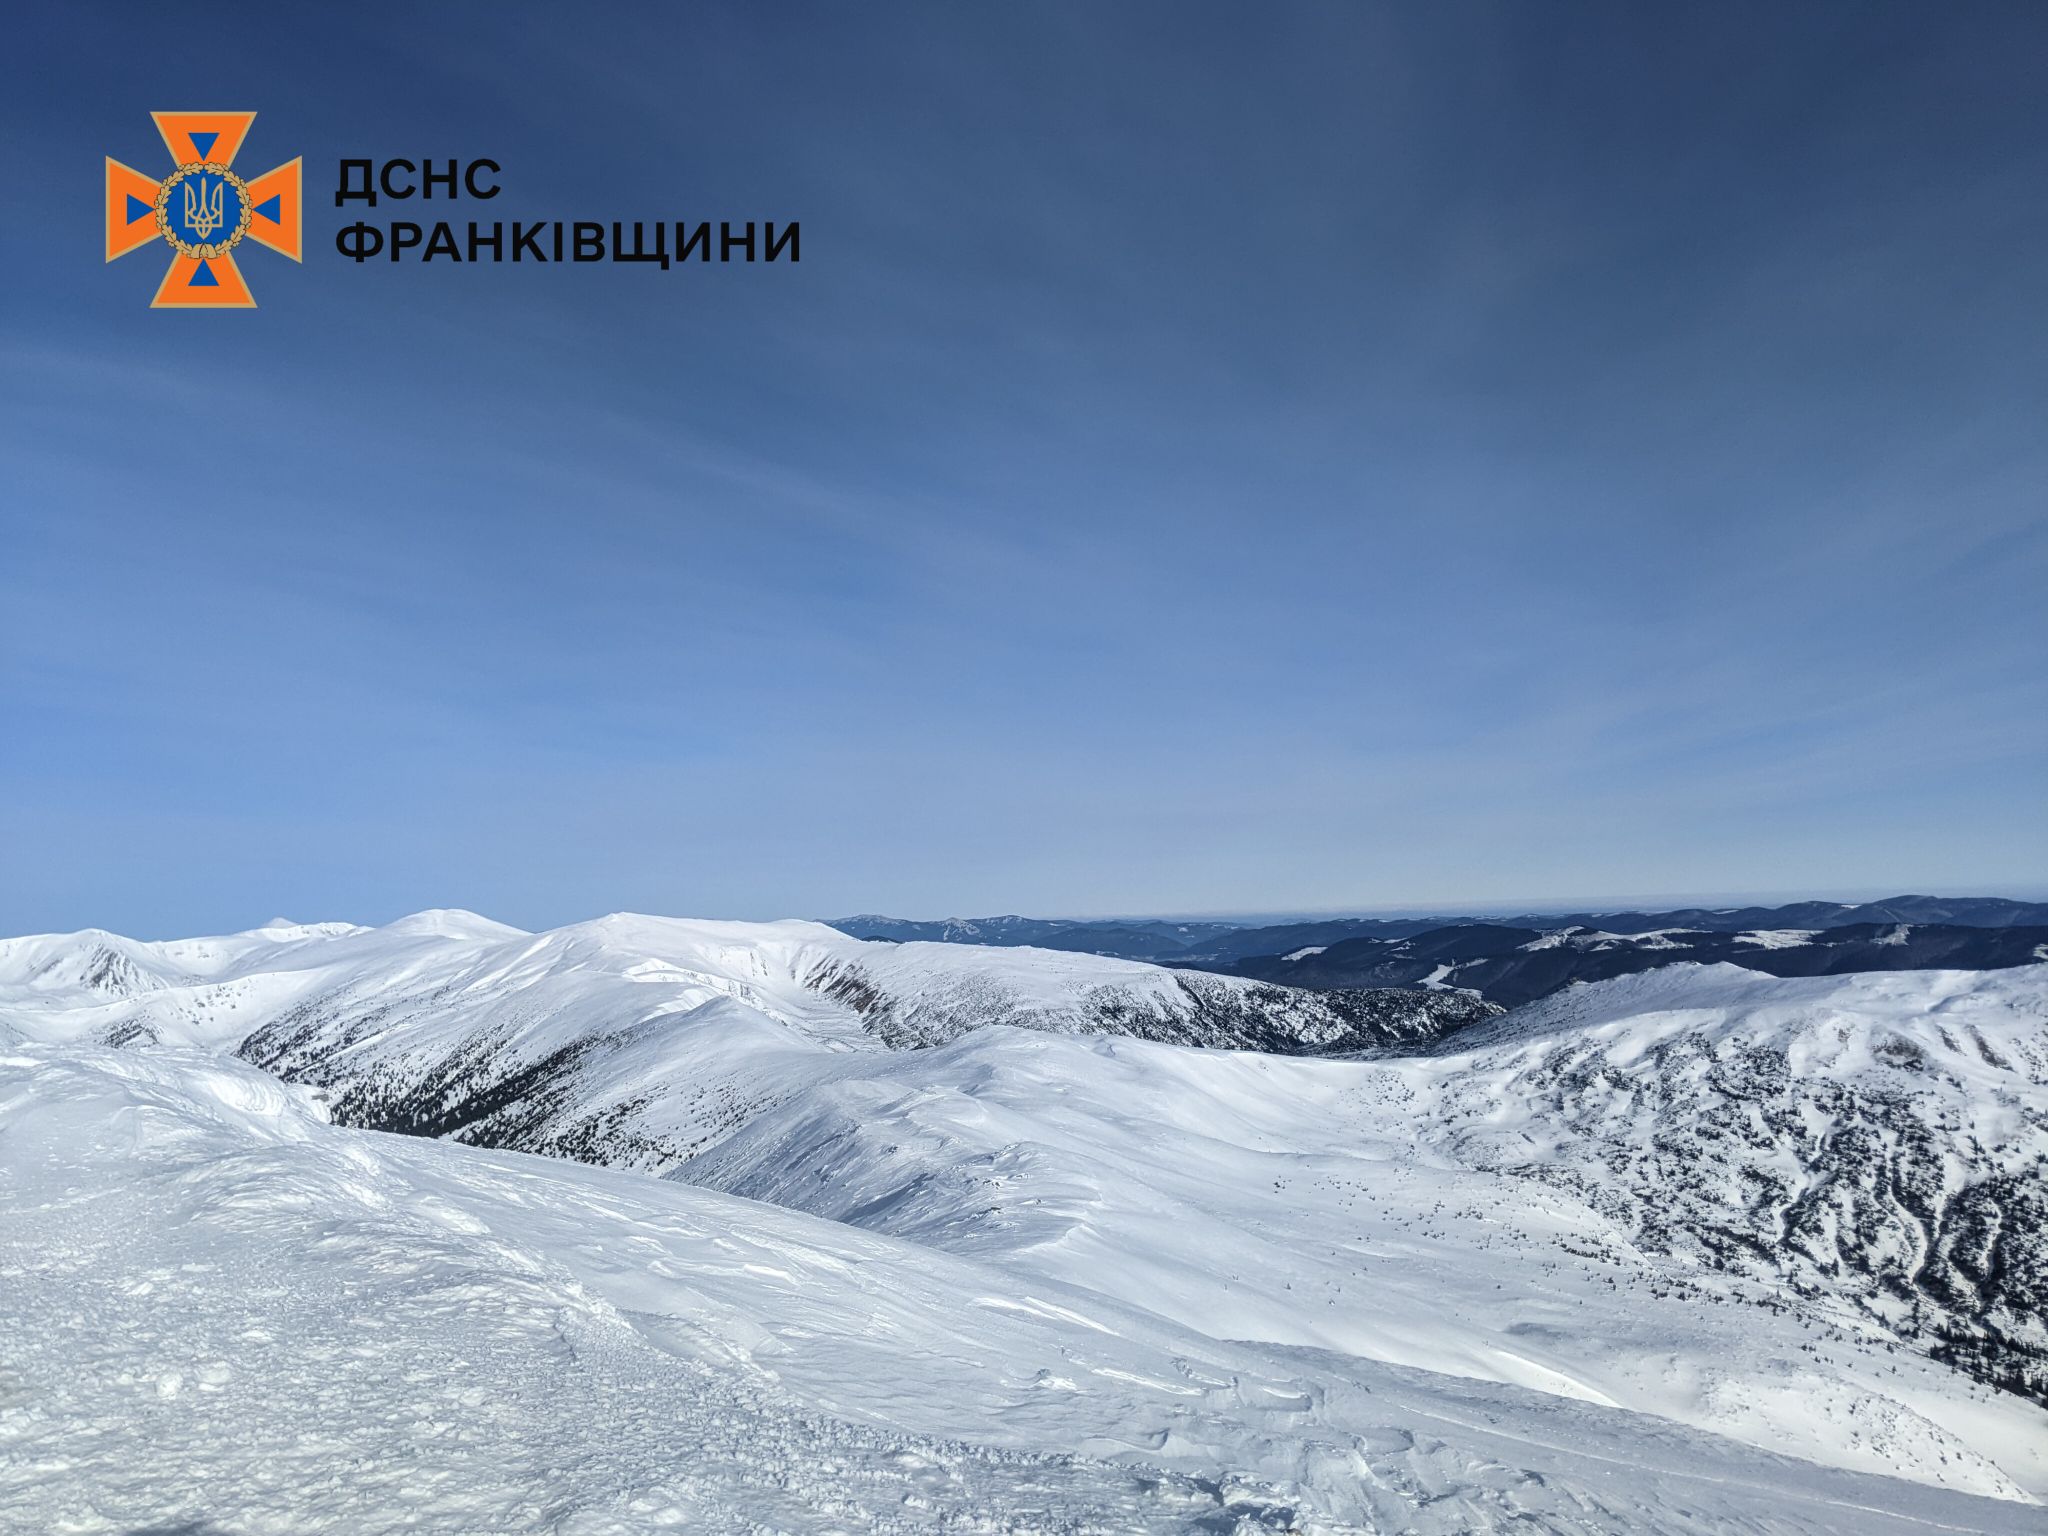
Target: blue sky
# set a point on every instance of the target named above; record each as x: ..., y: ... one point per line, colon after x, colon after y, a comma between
x: 1207, y: 459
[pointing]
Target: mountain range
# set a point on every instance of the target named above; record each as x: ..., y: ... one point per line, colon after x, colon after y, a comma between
x: 835, y: 1234
x: 1510, y: 965
x: 1517, y: 960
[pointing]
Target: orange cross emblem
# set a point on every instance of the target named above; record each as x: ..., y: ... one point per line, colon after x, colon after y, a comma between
x: 203, y: 210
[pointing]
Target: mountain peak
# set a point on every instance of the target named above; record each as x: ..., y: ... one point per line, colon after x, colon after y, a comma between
x: 452, y: 923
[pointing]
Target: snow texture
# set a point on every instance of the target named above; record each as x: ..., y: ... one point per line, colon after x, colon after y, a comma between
x: 1694, y: 1250
x: 226, y: 1315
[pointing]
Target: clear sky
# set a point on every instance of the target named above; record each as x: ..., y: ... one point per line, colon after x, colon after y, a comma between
x: 1207, y: 458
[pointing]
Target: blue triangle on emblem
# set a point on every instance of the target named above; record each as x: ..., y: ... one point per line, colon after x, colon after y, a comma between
x: 204, y: 278
x: 203, y: 142
x: 138, y: 209
x: 267, y: 209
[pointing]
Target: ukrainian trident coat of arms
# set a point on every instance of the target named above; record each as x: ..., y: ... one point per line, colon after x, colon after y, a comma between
x: 203, y: 210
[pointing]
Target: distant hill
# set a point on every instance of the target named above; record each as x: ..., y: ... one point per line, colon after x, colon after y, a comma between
x: 1141, y: 939
x: 1511, y: 965
x: 1512, y: 960
x: 1244, y: 942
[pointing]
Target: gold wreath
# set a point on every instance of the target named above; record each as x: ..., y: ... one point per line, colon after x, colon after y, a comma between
x: 163, y: 210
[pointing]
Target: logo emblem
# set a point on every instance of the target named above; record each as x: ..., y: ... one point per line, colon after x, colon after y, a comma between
x: 203, y: 210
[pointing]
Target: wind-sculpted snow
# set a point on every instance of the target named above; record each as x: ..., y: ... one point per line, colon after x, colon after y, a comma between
x: 225, y: 1315
x: 1805, y: 1215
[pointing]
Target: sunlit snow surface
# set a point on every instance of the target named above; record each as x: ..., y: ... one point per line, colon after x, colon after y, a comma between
x: 224, y: 1314
x: 1533, y: 1204
x: 1000, y: 1283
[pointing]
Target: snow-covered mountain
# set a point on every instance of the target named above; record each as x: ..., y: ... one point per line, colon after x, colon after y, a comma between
x: 1515, y: 960
x: 926, y: 994
x: 1132, y: 939
x: 1803, y: 1217
x: 634, y: 1041
x: 1781, y: 1211
x: 1875, y: 1145
x: 224, y: 1314
x: 1221, y: 945
x: 1514, y: 965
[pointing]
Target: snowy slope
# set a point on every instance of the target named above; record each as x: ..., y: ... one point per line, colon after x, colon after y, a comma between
x: 224, y: 1314
x: 1549, y: 1205
x: 634, y: 1041
x: 923, y: 994
x: 98, y: 986
x: 1877, y: 1144
x: 1804, y: 1215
